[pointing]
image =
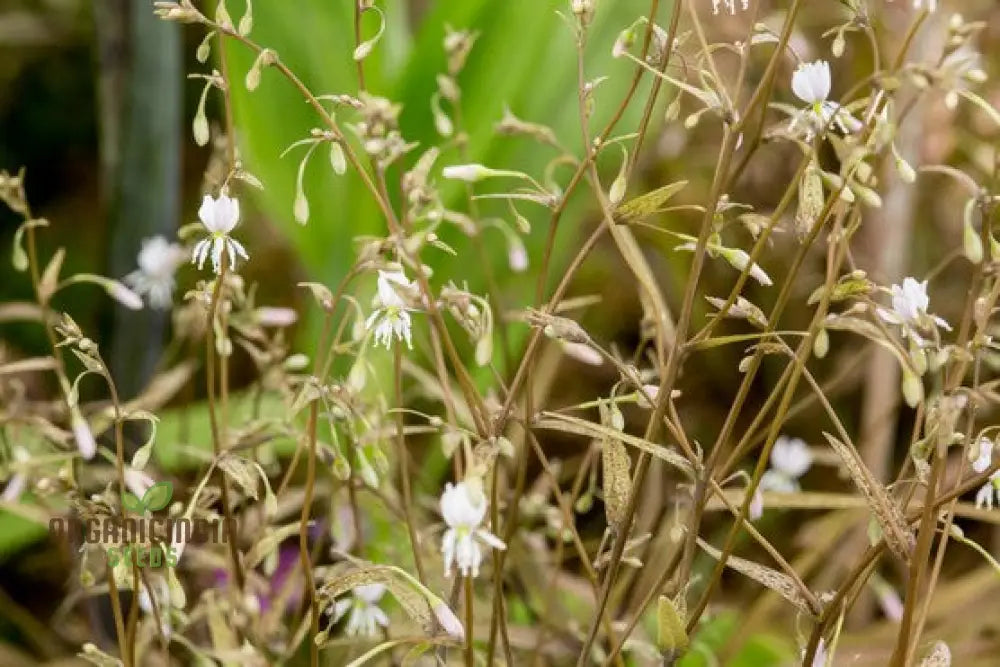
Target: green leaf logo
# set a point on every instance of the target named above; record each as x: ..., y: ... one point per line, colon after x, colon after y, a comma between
x: 156, y: 498
x: 131, y: 503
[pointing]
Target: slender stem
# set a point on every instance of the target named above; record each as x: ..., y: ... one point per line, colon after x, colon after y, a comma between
x: 470, y: 632
x: 404, y: 468
x: 304, y: 522
x: 219, y: 445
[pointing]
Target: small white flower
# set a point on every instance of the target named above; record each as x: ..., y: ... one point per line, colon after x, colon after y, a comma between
x: 391, y: 318
x: 984, y: 496
x: 463, y: 510
x: 811, y: 83
x: 984, y: 457
x: 909, y: 309
x: 365, y: 615
x: 158, y: 261
x: 219, y: 216
x: 790, y: 459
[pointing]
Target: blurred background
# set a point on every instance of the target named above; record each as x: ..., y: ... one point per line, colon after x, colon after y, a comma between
x: 96, y: 105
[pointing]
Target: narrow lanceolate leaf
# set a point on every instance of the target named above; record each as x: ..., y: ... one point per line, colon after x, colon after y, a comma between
x: 617, y: 479
x: 897, y: 532
x: 649, y: 203
x: 776, y: 581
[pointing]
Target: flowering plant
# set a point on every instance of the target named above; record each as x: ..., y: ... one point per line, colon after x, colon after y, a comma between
x: 715, y: 355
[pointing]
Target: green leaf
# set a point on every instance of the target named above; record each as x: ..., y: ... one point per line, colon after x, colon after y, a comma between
x: 158, y: 496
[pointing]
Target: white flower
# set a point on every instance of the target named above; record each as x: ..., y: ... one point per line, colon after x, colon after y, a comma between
x: 463, y: 510
x: 984, y: 496
x: 391, y: 318
x: 984, y: 457
x: 219, y: 216
x: 365, y: 615
x: 909, y: 308
x: 811, y: 84
x: 158, y: 261
x: 790, y: 459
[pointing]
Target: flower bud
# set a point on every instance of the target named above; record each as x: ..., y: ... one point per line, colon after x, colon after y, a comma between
x: 821, y: 346
x: 913, y: 389
x: 447, y: 619
x: 470, y: 173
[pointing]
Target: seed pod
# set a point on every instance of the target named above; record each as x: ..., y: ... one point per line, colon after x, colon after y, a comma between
x: 811, y: 201
x: 913, y: 389
x: 617, y: 191
x: 972, y: 244
x: 822, y: 344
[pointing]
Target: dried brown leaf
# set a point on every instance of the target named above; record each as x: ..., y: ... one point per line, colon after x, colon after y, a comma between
x: 896, y: 530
